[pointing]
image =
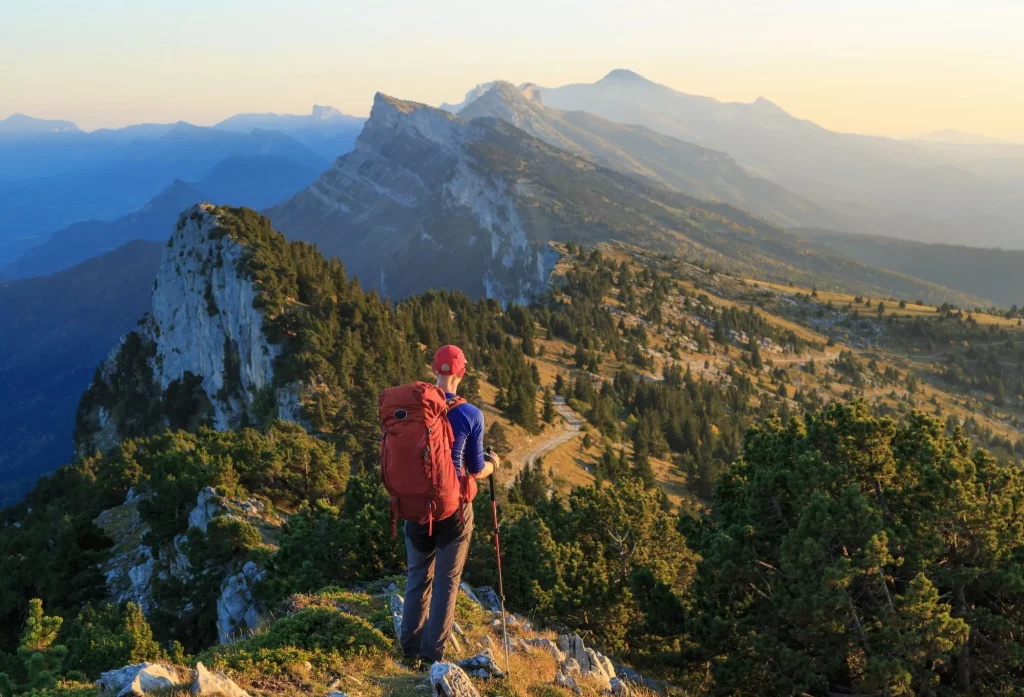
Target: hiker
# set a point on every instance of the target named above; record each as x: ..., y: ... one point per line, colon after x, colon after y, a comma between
x: 432, y: 481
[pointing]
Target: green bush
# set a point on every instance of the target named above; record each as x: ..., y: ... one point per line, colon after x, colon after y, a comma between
x: 319, y: 635
x: 106, y: 637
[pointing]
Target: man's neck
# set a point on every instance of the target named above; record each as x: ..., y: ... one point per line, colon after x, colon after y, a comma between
x: 448, y: 385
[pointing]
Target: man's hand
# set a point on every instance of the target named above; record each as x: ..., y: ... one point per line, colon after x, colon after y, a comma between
x: 491, y: 461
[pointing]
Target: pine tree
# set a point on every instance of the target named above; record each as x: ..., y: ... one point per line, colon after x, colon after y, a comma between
x: 549, y: 407
x: 559, y: 385
x: 642, y: 464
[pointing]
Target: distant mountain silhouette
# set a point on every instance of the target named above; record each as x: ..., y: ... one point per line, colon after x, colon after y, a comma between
x: 326, y: 130
x: 887, y: 186
x: 106, y: 176
x: 56, y: 330
x: 20, y: 124
x: 82, y: 241
x: 686, y: 167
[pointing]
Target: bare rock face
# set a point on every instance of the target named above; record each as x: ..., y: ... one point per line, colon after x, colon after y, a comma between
x: 207, y: 505
x: 397, y: 604
x: 238, y: 611
x: 583, y: 661
x: 488, y: 599
x: 205, y: 329
x: 416, y: 192
x: 207, y: 684
x: 448, y: 680
x: 133, y: 566
x: 140, y: 679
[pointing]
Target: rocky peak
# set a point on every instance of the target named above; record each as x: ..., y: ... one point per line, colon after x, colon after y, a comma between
x: 200, y: 354
x: 531, y: 91
x: 522, y: 107
x: 391, y: 117
x: 325, y: 113
x: 471, y: 95
x: 503, y: 101
x: 415, y: 193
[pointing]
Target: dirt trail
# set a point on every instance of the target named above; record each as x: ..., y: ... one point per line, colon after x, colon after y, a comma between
x: 543, y: 445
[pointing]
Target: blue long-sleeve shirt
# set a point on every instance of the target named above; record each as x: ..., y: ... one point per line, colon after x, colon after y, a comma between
x: 468, y: 449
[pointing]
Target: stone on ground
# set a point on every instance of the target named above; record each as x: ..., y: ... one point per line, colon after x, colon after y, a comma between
x: 209, y: 683
x: 481, y: 665
x: 448, y: 680
x: 141, y: 679
x: 488, y: 599
x: 568, y: 682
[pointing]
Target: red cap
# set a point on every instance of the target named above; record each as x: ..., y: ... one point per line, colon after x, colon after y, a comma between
x: 450, y: 360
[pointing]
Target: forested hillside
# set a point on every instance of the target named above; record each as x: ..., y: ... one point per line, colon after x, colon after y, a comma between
x: 774, y: 490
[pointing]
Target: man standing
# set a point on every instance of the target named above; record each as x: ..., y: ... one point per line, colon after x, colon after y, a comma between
x: 437, y: 551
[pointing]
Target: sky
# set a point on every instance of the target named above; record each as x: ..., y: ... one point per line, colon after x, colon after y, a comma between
x: 899, y: 68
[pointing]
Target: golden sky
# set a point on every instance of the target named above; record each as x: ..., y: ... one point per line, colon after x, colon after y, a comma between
x: 902, y: 67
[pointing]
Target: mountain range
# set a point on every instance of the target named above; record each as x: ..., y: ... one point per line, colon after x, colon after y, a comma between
x: 890, y: 187
x: 325, y: 130
x: 93, y: 238
x: 691, y: 169
x: 428, y: 199
x: 55, y: 175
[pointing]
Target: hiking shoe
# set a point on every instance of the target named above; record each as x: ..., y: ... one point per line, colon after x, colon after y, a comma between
x: 415, y: 663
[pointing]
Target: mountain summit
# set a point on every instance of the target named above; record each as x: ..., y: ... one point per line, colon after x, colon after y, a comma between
x: 623, y: 75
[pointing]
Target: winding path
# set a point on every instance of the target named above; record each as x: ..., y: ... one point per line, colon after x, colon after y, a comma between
x: 572, y: 425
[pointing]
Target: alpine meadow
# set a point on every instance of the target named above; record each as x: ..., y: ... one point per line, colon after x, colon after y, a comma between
x: 603, y: 388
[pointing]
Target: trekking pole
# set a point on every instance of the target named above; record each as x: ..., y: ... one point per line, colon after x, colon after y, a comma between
x: 497, y: 553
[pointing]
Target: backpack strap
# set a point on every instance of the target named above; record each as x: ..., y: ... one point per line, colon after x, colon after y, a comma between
x: 455, y: 401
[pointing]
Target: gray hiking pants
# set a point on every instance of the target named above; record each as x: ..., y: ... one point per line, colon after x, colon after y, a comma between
x: 435, y: 570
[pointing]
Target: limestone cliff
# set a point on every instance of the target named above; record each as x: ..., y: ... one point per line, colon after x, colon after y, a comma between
x: 416, y: 206
x: 200, y: 356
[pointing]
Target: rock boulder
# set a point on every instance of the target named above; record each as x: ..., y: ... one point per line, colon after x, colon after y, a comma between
x: 140, y: 679
x: 208, y: 683
x: 448, y: 680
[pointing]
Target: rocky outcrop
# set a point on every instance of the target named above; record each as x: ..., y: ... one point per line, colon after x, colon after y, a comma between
x: 152, y: 678
x: 204, y: 340
x: 579, y: 661
x: 414, y: 194
x: 130, y: 568
x: 207, y: 505
x: 133, y: 566
x: 207, y: 684
x: 448, y: 680
x: 141, y: 679
x: 238, y: 611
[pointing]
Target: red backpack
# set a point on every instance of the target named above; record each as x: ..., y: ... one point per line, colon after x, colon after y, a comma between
x: 416, y: 454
